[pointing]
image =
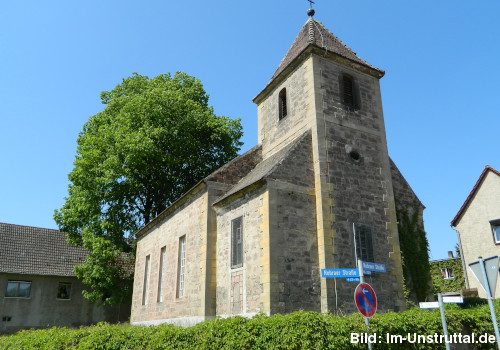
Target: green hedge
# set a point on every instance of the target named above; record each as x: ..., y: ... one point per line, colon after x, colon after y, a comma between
x: 299, y: 330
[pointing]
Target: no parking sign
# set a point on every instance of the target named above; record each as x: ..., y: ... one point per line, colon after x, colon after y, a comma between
x: 365, y: 299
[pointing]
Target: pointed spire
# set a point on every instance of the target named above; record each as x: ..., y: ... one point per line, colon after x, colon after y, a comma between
x: 314, y: 33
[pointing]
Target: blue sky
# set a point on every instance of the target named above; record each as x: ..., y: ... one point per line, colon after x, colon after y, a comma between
x: 440, y: 92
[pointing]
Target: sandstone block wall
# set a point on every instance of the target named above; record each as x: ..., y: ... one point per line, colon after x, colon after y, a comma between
x: 239, y: 290
x: 359, y: 190
x: 293, y: 239
x: 190, y: 220
x: 273, y: 133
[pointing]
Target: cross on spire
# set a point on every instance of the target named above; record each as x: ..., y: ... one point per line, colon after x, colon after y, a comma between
x: 310, y: 12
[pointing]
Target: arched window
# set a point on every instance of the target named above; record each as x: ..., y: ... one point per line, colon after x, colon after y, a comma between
x: 348, y: 93
x: 282, y: 104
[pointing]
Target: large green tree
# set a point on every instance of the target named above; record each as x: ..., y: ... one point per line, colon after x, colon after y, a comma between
x: 154, y: 140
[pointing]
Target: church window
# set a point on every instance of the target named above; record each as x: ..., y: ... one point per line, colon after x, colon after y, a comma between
x: 363, y: 240
x: 447, y: 273
x: 64, y: 291
x: 355, y: 155
x: 349, y: 97
x: 181, y: 267
x: 145, y: 289
x: 161, y: 274
x: 282, y: 104
x: 237, y: 242
x: 495, y: 227
x: 18, y: 289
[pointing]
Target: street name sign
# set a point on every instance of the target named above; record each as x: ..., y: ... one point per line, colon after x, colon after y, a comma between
x: 371, y: 266
x: 339, y: 273
x: 446, y: 299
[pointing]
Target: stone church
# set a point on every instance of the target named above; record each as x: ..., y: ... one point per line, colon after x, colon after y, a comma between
x: 318, y: 191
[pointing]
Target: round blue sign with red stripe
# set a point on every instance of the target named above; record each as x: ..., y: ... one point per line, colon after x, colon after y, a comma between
x: 365, y: 299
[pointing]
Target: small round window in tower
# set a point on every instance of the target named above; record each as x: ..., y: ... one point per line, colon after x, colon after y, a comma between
x: 355, y: 155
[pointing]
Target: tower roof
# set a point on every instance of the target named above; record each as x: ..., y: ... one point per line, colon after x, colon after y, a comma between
x: 314, y: 34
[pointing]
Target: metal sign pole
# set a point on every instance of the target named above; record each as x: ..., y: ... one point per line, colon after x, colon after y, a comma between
x: 367, y: 322
x: 490, y: 301
x: 443, y: 320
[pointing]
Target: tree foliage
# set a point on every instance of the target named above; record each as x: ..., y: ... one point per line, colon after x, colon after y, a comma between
x: 154, y: 140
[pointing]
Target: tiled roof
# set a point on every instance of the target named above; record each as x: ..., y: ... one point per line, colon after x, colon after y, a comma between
x: 472, y: 193
x: 265, y: 168
x: 314, y: 33
x: 229, y: 174
x: 37, y: 251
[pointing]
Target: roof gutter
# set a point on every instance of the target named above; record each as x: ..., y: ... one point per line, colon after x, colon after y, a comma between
x: 462, y: 257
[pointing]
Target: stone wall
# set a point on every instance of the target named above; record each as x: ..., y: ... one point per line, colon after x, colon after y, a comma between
x: 273, y: 133
x: 293, y: 240
x: 413, y: 241
x: 356, y: 183
x: 239, y: 290
x: 189, y: 220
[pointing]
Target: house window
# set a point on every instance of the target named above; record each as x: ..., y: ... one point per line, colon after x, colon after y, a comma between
x: 18, y: 289
x: 181, y: 267
x: 161, y: 278
x: 495, y: 227
x: 364, y: 242
x: 237, y: 242
x: 145, y: 289
x: 447, y: 273
x: 64, y: 291
x: 282, y: 104
x: 348, y: 91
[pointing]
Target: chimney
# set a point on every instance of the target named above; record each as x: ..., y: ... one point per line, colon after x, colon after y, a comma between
x: 450, y: 255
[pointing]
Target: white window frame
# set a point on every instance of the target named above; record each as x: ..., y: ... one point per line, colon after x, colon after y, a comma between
x: 237, y: 242
x: 495, y: 230
x: 181, y: 267
x: 145, y: 288
x: 447, y: 273
x: 161, y: 273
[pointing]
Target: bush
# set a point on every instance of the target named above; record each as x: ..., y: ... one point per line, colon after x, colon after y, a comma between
x: 299, y: 330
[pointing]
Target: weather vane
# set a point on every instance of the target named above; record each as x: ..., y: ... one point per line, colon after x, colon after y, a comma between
x: 310, y: 12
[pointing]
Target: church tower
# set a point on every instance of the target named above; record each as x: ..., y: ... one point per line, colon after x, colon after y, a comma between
x: 323, y: 88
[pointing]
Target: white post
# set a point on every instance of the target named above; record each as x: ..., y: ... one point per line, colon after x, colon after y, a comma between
x: 367, y: 322
x: 443, y: 321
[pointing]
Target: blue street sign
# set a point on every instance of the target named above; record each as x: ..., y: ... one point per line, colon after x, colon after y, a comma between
x: 352, y: 279
x: 371, y: 266
x: 339, y: 273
